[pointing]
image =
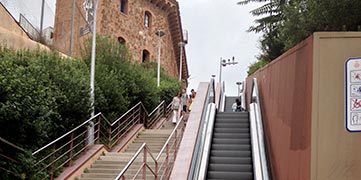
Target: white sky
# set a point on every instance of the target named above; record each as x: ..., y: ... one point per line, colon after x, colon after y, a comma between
x: 217, y: 28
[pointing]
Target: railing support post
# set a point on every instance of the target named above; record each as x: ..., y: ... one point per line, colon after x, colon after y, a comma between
x: 118, y: 131
x: 71, y: 149
x: 52, y: 165
x: 145, y: 163
x: 166, y: 159
x: 156, y: 170
x: 109, y: 137
x: 98, y: 133
x: 175, y: 144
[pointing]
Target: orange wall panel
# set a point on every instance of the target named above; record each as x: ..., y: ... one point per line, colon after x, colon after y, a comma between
x: 285, y: 88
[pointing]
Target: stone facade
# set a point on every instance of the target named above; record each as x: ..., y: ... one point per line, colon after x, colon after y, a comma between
x: 129, y: 26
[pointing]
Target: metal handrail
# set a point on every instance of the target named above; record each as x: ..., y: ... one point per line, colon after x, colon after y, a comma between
x: 141, y: 148
x: 126, y: 113
x: 260, y: 164
x: 156, y: 108
x: 66, y: 134
x: 157, y: 159
x: 74, y: 142
x: 169, y: 138
x: 207, y: 141
x: 12, y: 145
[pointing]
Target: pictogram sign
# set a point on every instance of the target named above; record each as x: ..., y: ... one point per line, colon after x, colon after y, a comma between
x: 353, y: 94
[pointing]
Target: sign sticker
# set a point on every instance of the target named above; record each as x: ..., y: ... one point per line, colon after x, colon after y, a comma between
x: 353, y: 94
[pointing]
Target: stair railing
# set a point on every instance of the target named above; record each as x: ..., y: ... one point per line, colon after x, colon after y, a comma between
x: 164, y: 161
x: 8, y: 153
x: 61, y: 152
x: 260, y: 166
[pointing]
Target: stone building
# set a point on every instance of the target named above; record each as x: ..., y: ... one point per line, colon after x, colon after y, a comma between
x: 132, y: 22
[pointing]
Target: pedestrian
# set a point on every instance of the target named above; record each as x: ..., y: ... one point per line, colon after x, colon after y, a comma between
x: 191, y: 101
x: 184, y: 99
x: 176, y: 104
x: 237, y: 106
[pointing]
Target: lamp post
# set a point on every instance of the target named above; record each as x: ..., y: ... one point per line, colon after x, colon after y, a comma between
x: 181, y: 46
x: 92, y: 65
x: 90, y: 127
x: 239, y: 84
x: 159, y: 33
x: 224, y: 63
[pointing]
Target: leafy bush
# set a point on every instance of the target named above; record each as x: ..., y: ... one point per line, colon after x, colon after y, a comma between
x: 120, y: 84
x: 41, y: 96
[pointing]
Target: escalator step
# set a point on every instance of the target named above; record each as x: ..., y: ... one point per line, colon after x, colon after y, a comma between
x: 231, y: 130
x: 230, y: 167
x: 236, y: 147
x: 231, y: 160
x: 231, y: 141
x: 229, y: 175
x: 231, y: 125
x: 229, y: 153
x: 231, y: 135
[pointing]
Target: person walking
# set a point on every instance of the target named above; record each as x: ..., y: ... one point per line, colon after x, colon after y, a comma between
x: 184, y: 99
x: 176, y: 104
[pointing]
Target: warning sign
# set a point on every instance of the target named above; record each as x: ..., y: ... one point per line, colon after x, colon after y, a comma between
x: 353, y: 94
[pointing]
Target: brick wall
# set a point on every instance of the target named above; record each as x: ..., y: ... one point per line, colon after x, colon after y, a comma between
x: 130, y: 26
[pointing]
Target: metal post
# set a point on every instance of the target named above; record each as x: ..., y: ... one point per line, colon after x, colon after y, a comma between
x: 98, y: 133
x: 181, y: 45
x: 167, y: 158
x: 92, y: 74
x: 42, y: 20
x: 159, y: 33
x: 71, y: 149
x: 92, y: 66
x: 72, y: 29
x: 158, y: 72
x: 145, y: 163
x: 175, y: 145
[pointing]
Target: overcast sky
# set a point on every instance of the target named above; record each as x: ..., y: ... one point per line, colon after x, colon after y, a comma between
x: 217, y: 28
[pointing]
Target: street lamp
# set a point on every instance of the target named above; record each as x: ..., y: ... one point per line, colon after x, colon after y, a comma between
x: 159, y: 33
x: 181, y: 46
x: 224, y: 63
x: 239, y: 84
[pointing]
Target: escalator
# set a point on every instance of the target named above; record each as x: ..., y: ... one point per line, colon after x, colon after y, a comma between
x: 230, y: 154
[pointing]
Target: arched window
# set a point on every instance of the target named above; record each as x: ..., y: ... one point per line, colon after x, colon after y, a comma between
x: 145, y: 57
x: 121, y: 40
x: 147, y: 19
x: 124, y: 6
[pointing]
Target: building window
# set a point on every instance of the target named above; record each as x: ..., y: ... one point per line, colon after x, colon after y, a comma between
x: 147, y: 19
x: 145, y: 57
x: 124, y: 6
x: 121, y: 40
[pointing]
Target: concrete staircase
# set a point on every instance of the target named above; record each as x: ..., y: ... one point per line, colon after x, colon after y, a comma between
x: 109, y: 165
x: 231, y: 153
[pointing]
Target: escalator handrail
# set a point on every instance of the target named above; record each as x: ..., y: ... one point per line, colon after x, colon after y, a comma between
x: 260, y: 165
x: 198, y: 150
x: 208, y: 133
